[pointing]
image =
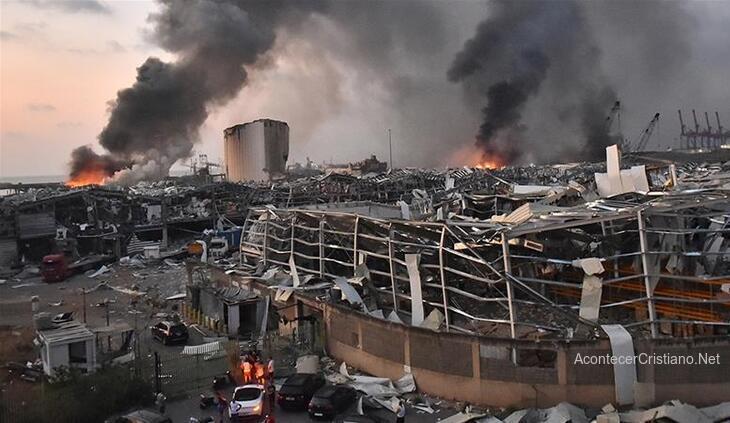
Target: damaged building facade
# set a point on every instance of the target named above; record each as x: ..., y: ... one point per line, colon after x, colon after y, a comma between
x: 503, y: 290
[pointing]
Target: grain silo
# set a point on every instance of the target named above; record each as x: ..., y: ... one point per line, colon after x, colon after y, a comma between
x: 256, y: 151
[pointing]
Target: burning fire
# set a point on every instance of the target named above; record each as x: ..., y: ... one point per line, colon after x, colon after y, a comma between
x: 89, y: 176
x: 472, y: 156
x: 488, y: 161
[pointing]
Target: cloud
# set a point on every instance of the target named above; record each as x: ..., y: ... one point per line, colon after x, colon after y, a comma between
x: 115, y: 47
x: 72, y: 6
x: 7, y: 36
x: 23, y: 31
x: 41, y: 107
x: 111, y: 47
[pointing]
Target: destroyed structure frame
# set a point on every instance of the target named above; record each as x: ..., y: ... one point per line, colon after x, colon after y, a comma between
x: 523, y: 277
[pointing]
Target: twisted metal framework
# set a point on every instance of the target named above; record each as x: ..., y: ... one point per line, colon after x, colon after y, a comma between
x: 665, y: 261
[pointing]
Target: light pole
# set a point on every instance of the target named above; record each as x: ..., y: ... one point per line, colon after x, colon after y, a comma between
x: 83, y: 296
x: 106, y: 306
x: 390, y: 147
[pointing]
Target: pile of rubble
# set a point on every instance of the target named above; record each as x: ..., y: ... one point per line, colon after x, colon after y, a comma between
x: 383, y: 393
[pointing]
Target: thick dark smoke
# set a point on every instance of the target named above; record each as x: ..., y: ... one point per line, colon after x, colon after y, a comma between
x: 155, y: 122
x: 505, y: 101
x: 543, y: 73
x: 521, y: 47
x: 85, y: 159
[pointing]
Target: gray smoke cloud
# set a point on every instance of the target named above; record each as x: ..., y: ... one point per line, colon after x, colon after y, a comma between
x: 525, y: 49
x: 155, y: 122
x: 543, y: 75
x: 355, y: 69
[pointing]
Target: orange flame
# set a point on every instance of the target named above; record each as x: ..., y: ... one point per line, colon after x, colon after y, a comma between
x: 89, y: 176
x: 472, y: 156
x: 489, y: 161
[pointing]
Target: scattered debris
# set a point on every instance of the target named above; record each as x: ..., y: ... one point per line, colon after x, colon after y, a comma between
x: 102, y: 270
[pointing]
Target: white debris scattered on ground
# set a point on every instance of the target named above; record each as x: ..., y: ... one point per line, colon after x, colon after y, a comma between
x: 103, y: 269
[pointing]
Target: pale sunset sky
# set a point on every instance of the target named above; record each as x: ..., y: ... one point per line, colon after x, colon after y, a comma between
x: 62, y: 61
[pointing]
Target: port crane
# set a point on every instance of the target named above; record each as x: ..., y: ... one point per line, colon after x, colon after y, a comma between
x: 646, y: 134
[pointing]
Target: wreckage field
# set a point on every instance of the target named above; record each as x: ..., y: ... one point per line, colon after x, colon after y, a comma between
x: 497, y: 281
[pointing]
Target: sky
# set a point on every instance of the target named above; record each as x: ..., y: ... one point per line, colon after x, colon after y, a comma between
x: 62, y: 62
x: 59, y: 66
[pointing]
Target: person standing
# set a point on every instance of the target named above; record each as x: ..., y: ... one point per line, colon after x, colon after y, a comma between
x: 246, y: 367
x: 400, y: 413
x: 222, y: 404
x: 160, y: 402
x: 259, y: 371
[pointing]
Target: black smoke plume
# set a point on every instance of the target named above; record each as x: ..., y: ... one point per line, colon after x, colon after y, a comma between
x: 514, y: 53
x: 505, y: 101
x: 155, y: 122
x: 85, y: 159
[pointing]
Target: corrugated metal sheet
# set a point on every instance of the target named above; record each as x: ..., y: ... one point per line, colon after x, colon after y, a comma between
x: 136, y: 246
x: 66, y: 333
x: 209, y: 348
x: 36, y: 225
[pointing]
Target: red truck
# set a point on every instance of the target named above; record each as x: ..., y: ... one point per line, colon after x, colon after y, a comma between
x: 57, y: 267
x: 54, y: 268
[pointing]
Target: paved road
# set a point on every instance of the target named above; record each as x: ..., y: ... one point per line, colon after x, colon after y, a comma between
x: 181, y: 410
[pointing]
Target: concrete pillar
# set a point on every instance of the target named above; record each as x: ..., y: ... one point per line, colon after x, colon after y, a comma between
x: 476, y: 362
x: 407, y: 348
x: 561, y: 365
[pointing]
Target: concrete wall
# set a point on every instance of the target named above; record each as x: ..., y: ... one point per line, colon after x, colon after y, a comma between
x: 256, y: 151
x: 478, y: 369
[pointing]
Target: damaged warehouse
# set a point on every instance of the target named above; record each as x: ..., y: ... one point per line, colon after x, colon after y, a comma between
x: 502, y: 282
x: 556, y: 272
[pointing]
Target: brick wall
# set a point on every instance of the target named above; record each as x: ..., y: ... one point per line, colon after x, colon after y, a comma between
x: 430, y: 350
x: 382, y: 343
x: 483, y: 369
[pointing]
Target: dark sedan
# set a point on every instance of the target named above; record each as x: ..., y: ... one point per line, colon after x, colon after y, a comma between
x: 331, y: 400
x: 298, y: 389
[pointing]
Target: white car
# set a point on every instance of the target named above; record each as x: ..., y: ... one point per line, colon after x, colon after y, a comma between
x: 247, y: 400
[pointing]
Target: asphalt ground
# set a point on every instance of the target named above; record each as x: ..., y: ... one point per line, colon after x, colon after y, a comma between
x: 183, y: 409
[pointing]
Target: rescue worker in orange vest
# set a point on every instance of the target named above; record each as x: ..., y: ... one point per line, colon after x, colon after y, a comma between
x: 259, y: 368
x: 246, y: 368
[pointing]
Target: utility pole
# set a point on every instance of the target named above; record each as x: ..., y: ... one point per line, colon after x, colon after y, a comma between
x: 390, y: 147
x: 83, y: 296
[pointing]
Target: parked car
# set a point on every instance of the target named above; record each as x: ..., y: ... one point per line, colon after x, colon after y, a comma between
x: 170, y: 332
x: 357, y: 418
x: 247, y: 403
x: 298, y: 389
x: 330, y: 400
x: 140, y: 416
